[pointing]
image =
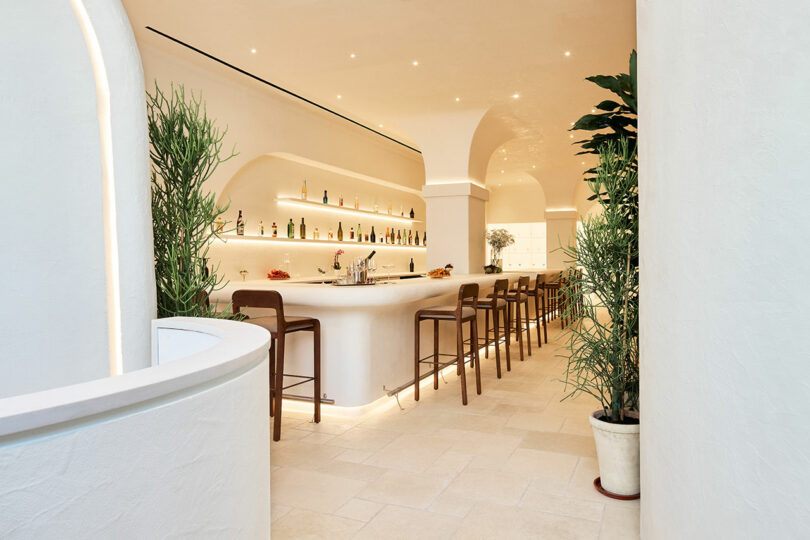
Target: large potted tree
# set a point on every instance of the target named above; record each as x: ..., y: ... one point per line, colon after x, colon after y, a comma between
x: 601, y: 299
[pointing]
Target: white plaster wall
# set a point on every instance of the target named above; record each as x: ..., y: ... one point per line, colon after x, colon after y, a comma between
x: 456, y: 220
x: 179, y: 450
x: 53, y: 251
x: 254, y: 190
x: 561, y: 232
x: 516, y: 203
x: 725, y: 439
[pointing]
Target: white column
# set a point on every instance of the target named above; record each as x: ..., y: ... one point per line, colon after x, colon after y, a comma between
x: 456, y: 226
x: 561, y: 230
x: 725, y: 361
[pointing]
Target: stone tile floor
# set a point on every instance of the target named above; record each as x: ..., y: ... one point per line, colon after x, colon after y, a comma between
x: 516, y: 462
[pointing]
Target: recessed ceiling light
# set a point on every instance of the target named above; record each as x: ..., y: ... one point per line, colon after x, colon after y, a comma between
x: 534, y: 166
x: 520, y: 179
x: 339, y: 96
x: 503, y: 150
x: 515, y: 95
x: 458, y: 99
x: 505, y: 158
x: 415, y: 62
x: 572, y: 123
x: 499, y: 185
x: 571, y: 136
x: 593, y: 111
x: 501, y: 171
x: 583, y: 163
x: 253, y: 51
x: 380, y: 125
x: 567, y: 53
x: 352, y: 55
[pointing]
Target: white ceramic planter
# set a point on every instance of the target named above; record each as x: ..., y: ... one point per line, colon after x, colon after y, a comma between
x: 617, y: 448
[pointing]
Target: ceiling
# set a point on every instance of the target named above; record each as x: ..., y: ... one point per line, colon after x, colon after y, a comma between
x: 480, y: 51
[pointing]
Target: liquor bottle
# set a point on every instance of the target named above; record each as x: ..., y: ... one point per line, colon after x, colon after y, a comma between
x: 290, y: 229
x: 340, y: 232
x: 340, y: 200
x: 304, y: 191
x: 387, y: 236
x: 330, y: 237
x: 410, y: 238
x: 393, y: 237
x: 412, y: 213
x: 261, y: 228
x: 410, y: 266
x: 240, y: 225
x: 417, y: 238
x: 376, y: 208
x: 351, y: 233
x: 373, y: 236
x: 389, y: 209
x: 424, y: 238
x: 220, y: 224
x: 366, y: 237
x: 401, y: 210
x: 275, y: 230
x: 359, y: 234
x: 325, y: 198
x: 316, y: 235
x: 303, y: 229
x: 399, y: 238
x: 356, y: 203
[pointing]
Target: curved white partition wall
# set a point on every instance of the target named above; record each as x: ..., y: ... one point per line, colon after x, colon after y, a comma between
x: 179, y: 449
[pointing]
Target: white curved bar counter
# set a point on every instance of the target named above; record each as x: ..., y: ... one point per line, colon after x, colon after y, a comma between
x: 177, y: 449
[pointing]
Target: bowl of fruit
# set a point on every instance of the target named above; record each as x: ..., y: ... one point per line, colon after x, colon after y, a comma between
x: 439, y: 273
x: 278, y: 274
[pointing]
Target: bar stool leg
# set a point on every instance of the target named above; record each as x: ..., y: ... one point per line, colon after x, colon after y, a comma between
x: 416, y: 358
x: 537, y: 319
x: 279, y: 385
x: 507, y: 332
x: 486, y: 334
x: 518, y: 328
x: 435, y: 354
x: 316, y: 337
x: 460, y: 360
x: 495, y: 324
x: 527, y: 320
x: 474, y: 354
x: 545, y: 317
x: 272, y: 381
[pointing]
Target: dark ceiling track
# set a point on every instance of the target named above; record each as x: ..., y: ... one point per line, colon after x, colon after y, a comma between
x: 277, y: 87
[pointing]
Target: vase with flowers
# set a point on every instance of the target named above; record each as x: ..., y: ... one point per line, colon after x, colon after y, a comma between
x: 498, y: 239
x: 336, y: 261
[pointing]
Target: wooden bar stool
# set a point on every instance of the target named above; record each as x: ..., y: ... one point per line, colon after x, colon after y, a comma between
x: 515, y: 298
x: 496, y: 303
x: 552, y: 296
x: 279, y: 326
x: 539, y: 306
x: 463, y: 311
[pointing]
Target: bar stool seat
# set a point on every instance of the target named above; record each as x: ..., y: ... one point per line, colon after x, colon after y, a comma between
x: 486, y: 303
x: 270, y: 323
x: 447, y: 312
x: 513, y: 296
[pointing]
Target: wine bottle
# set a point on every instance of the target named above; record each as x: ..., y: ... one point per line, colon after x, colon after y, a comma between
x: 261, y: 228
x: 303, y: 229
x: 275, y: 230
x: 389, y: 209
x: 240, y: 225
x: 417, y: 238
x: 304, y: 191
x: 351, y: 233
x: 325, y: 198
x: 412, y: 213
x: 410, y: 238
x: 291, y: 229
x: 340, y: 200
x: 340, y: 232
x: 359, y: 234
x: 386, y: 235
x: 410, y: 266
x: 399, y: 238
x: 316, y: 235
x: 356, y: 203
x: 424, y: 238
x: 373, y: 236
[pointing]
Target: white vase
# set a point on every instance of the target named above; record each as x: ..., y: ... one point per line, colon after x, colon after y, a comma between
x: 617, y: 447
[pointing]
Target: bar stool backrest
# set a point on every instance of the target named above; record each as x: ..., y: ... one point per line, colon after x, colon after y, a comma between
x: 523, y: 284
x: 501, y: 288
x: 259, y: 299
x: 539, y: 281
x: 467, y: 296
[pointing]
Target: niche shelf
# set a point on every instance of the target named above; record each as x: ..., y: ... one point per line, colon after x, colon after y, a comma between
x: 333, y: 208
x: 227, y: 238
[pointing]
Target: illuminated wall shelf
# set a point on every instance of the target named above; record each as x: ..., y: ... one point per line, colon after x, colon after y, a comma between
x: 227, y: 238
x: 319, y: 206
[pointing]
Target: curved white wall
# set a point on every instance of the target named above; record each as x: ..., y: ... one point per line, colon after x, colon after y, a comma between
x: 54, y: 325
x: 725, y: 440
x: 177, y: 450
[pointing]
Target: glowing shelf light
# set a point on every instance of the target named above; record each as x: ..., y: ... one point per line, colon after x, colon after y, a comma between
x: 227, y: 238
x: 311, y: 205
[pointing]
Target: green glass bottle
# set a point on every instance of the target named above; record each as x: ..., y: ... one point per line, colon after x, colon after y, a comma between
x: 291, y: 229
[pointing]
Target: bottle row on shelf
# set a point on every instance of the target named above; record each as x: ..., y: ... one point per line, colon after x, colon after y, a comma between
x: 403, y: 237
x: 356, y: 202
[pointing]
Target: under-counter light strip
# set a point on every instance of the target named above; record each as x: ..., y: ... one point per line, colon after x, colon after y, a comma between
x: 109, y: 215
x: 343, y: 210
x: 227, y: 238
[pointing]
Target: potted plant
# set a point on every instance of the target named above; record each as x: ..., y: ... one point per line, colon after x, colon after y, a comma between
x: 498, y: 239
x: 601, y: 300
x: 185, y: 149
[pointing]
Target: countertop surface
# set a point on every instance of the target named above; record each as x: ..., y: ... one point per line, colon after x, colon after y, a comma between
x: 299, y: 292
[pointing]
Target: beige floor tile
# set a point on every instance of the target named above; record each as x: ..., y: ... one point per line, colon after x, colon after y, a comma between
x: 540, y: 501
x: 328, y: 426
x: 278, y: 511
x: 347, y: 469
x: 414, y: 490
x: 450, y: 464
x: 312, y: 490
x: 563, y: 443
x: 540, y: 463
x: 452, y: 505
x: 359, y: 438
x: 486, y: 521
x: 487, y: 485
x: 304, y: 525
x: 620, y: 521
x: 396, y: 522
x: 301, y: 454
x: 410, y: 452
x: 353, y: 456
x: 536, y: 421
x: 359, y: 509
x: 577, y: 426
x: 317, y: 437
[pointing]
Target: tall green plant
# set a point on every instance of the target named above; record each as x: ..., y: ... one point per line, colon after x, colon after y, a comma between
x: 602, y: 340
x: 185, y: 150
